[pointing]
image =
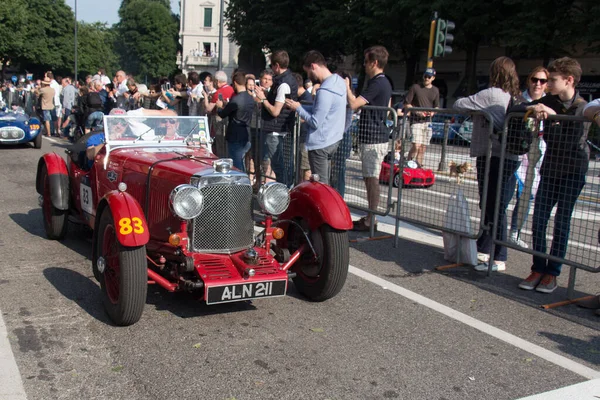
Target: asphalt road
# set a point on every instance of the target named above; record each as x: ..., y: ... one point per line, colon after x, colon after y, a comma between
x: 397, y: 330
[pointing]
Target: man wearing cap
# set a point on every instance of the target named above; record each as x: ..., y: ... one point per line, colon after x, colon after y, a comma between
x: 423, y: 95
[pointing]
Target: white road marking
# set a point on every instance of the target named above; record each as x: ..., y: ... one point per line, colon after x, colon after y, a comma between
x: 509, y: 338
x: 588, y: 390
x: 11, y: 385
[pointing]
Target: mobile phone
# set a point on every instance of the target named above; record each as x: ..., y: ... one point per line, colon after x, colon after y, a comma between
x: 257, y: 81
x: 220, y: 96
x: 168, y: 85
x: 288, y: 96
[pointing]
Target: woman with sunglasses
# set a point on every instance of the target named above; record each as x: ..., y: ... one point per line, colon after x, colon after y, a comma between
x: 536, y: 89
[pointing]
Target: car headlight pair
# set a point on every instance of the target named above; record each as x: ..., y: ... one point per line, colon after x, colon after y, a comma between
x: 186, y: 201
x: 274, y: 198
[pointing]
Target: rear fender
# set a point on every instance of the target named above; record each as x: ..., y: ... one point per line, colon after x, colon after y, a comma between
x: 58, y: 178
x: 318, y: 204
x: 130, y: 224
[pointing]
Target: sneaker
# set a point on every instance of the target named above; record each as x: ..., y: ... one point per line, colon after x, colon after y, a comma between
x: 498, y: 266
x: 531, y: 281
x: 547, y: 285
x: 513, y: 237
x: 483, y: 257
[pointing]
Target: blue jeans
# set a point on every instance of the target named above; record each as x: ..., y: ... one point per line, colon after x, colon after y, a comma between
x: 273, y: 150
x: 94, y: 119
x: 484, y: 243
x: 563, y: 192
x: 236, y: 151
x: 514, y: 221
x: 338, y: 172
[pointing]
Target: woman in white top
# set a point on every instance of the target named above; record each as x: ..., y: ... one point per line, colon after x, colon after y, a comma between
x: 537, y: 83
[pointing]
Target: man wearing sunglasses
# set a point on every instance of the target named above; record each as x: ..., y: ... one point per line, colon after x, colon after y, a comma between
x: 117, y: 128
x: 424, y: 95
x: 170, y: 126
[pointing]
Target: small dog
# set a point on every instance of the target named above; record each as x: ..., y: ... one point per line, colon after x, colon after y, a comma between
x: 459, y: 170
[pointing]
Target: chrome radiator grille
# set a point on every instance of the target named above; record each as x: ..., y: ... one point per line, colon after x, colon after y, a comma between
x: 225, y: 225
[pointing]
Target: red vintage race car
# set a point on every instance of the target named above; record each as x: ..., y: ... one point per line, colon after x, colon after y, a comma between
x: 165, y: 210
x: 412, y: 174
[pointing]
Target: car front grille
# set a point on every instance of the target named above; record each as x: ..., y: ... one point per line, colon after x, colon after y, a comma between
x: 11, y: 133
x: 225, y: 224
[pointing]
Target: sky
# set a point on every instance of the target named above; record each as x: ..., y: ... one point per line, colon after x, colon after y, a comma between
x: 104, y: 11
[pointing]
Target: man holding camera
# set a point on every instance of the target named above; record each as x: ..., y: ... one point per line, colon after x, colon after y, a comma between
x: 327, y: 116
x: 277, y: 121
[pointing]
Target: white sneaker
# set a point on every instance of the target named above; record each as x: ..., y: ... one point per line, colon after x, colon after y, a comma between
x: 498, y: 266
x: 483, y: 257
x: 513, y: 237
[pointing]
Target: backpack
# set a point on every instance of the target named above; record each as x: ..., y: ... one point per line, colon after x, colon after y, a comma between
x: 520, y: 132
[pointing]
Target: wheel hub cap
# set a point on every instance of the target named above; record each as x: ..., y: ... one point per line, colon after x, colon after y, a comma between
x: 101, y: 264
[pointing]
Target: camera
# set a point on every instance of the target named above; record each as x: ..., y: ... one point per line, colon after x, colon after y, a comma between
x: 220, y: 96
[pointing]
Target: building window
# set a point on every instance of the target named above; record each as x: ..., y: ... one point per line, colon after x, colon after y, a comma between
x: 207, y: 17
x: 206, y: 50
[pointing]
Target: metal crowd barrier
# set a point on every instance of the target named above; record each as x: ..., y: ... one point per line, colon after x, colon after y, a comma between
x: 578, y: 219
x: 447, y: 157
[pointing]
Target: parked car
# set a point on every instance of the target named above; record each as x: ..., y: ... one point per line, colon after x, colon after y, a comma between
x: 165, y: 210
x: 412, y: 174
x: 460, y: 128
x: 17, y: 127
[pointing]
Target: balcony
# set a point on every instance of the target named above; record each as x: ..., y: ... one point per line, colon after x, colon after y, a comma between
x: 202, y: 61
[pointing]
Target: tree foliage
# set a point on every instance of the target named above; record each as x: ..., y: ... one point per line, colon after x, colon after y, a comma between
x: 147, y: 38
x: 95, y: 48
x: 317, y: 24
x: 546, y: 28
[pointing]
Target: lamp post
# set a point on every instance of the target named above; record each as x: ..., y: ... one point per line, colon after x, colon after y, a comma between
x: 220, y: 59
x: 75, y: 41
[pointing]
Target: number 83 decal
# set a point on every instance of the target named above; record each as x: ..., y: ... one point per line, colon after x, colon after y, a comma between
x: 130, y: 225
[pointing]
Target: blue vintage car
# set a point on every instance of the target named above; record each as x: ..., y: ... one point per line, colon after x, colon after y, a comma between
x: 17, y: 127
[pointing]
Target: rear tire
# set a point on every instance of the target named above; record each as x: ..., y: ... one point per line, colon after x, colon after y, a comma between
x: 55, y: 220
x: 124, y: 276
x: 324, y: 279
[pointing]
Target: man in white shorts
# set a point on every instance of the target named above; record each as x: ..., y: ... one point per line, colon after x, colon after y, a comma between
x: 423, y: 95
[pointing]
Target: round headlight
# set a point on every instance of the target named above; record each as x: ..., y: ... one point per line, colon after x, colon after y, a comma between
x: 274, y: 198
x: 186, y: 201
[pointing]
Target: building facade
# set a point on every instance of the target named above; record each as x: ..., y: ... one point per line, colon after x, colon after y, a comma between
x: 199, y: 38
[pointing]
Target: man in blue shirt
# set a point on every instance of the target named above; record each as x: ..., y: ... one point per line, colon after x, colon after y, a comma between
x: 327, y: 116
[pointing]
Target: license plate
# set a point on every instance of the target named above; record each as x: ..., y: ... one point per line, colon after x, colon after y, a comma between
x: 245, y: 291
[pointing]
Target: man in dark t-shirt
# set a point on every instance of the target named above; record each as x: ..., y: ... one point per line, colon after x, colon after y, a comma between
x: 373, y: 136
x: 423, y: 95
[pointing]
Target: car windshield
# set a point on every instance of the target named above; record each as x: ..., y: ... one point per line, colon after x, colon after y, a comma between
x: 122, y: 130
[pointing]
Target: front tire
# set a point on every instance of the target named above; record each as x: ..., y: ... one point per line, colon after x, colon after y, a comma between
x: 397, y: 180
x: 123, y: 274
x: 37, y: 142
x: 55, y: 220
x: 322, y: 280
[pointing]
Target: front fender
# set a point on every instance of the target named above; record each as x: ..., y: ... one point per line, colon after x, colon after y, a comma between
x: 58, y: 179
x: 318, y: 204
x: 130, y: 224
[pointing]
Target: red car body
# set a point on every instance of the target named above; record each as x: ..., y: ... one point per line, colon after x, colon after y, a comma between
x: 127, y: 198
x: 411, y: 177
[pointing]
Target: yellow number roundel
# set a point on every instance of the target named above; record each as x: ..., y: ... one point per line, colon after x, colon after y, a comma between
x: 126, y: 227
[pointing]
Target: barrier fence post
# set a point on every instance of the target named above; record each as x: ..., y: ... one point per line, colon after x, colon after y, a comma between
x: 442, y: 165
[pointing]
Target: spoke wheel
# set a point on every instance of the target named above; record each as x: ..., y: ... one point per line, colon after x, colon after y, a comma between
x: 122, y: 274
x: 55, y: 220
x: 324, y: 278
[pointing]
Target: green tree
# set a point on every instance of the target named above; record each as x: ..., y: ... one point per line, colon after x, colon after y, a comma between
x: 318, y: 24
x: 40, y: 36
x: 13, y: 22
x: 147, y: 38
x: 95, y: 48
